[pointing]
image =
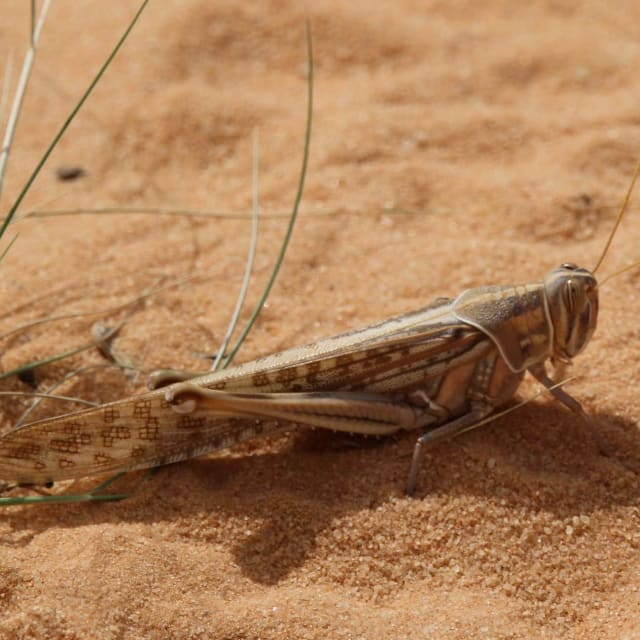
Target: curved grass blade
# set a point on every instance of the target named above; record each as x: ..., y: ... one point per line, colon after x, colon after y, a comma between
x: 294, y: 213
x: 250, y: 259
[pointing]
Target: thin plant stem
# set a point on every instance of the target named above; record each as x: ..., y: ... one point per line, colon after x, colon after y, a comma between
x: 69, y: 119
x: 6, y: 83
x: 250, y: 257
x: 296, y: 206
x: 146, y: 293
x: 50, y: 396
x: 60, y: 356
x: 46, y: 393
x: 21, y: 89
x: 224, y: 215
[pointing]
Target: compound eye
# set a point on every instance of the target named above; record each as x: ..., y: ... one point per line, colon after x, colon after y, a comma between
x: 571, y: 292
x: 570, y: 266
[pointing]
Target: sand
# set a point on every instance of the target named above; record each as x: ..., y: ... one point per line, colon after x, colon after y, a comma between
x: 455, y: 144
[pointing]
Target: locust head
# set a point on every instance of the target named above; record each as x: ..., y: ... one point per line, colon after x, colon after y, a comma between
x: 572, y: 296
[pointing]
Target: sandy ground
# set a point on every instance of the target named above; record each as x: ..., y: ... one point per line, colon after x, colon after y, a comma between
x: 455, y: 144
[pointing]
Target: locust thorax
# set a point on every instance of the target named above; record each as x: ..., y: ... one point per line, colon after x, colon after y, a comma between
x: 572, y: 295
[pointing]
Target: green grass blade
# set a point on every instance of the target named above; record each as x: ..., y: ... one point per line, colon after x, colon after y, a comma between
x: 70, y: 119
x: 63, y: 499
x: 8, y: 247
x: 296, y: 206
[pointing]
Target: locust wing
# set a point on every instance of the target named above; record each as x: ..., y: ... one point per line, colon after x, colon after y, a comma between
x: 385, y: 361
